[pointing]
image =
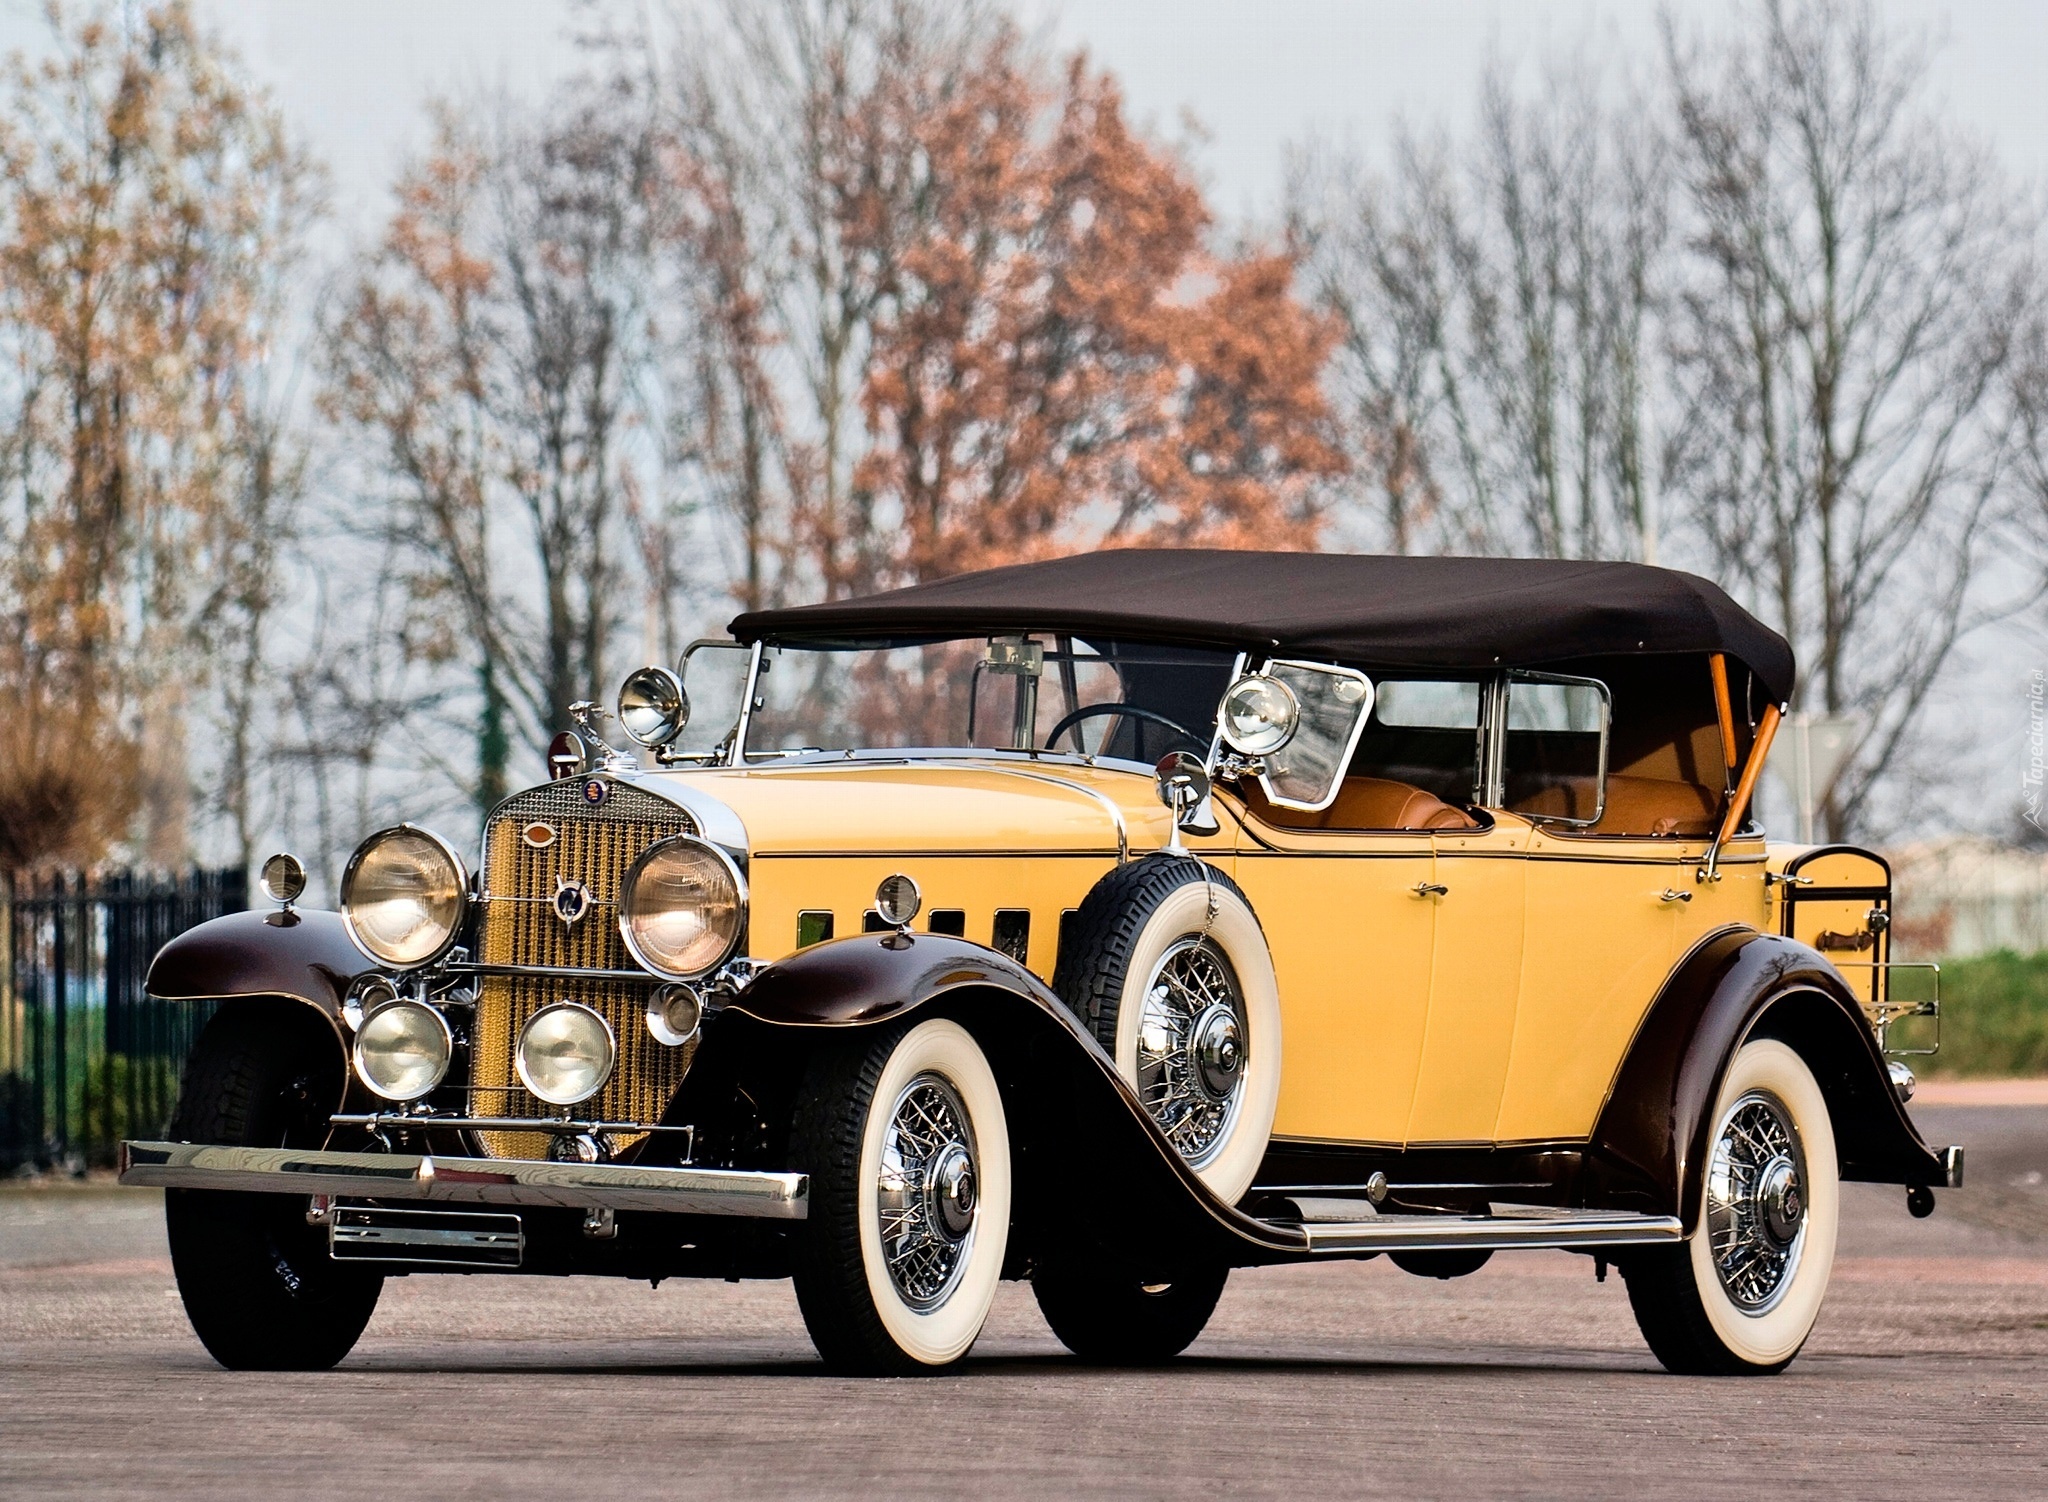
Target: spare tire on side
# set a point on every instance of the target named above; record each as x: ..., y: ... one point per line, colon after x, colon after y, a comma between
x: 1167, y: 966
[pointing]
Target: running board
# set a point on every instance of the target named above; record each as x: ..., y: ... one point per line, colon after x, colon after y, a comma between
x: 1493, y: 1233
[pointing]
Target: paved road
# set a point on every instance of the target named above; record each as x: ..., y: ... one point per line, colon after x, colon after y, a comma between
x: 1928, y: 1376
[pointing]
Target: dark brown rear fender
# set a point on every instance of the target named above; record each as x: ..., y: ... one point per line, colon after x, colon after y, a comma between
x: 1651, y: 1138
x: 1078, y: 1134
x: 304, y: 955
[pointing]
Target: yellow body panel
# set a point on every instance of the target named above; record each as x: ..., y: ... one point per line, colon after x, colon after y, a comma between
x: 975, y: 836
x: 1351, y: 944
x: 1599, y: 940
x: 1475, y: 978
x: 1498, y: 1012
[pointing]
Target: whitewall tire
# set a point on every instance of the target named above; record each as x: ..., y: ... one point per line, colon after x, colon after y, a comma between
x: 1742, y: 1294
x: 903, y: 1134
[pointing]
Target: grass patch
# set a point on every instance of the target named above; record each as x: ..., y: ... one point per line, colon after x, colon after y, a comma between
x: 1994, y: 1016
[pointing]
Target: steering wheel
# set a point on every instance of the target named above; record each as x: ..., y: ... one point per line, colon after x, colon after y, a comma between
x: 1136, y: 712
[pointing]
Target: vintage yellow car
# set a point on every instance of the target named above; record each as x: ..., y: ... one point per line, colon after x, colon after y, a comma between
x: 1110, y: 922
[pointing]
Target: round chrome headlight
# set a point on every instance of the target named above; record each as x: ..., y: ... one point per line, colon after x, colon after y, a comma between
x: 565, y: 1053
x: 653, y: 707
x: 402, y: 1050
x: 684, y: 905
x: 403, y: 896
x: 1259, y: 715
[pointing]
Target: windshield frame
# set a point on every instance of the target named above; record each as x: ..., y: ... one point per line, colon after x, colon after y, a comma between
x: 738, y: 754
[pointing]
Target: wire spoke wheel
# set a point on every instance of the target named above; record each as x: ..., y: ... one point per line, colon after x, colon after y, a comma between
x: 1756, y: 1201
x: 926, y: 1192
x: 1191, y: 1046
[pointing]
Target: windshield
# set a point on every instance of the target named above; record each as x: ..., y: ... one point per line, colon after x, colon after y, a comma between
x: 1041, y: 692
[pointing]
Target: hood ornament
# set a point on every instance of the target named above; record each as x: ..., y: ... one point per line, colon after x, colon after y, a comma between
x: 608, y: 758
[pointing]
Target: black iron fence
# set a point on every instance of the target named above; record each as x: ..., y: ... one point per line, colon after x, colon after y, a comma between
x: 87, y: 1057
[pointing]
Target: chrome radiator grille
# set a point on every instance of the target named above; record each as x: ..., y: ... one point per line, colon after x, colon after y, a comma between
x: 596, y: 846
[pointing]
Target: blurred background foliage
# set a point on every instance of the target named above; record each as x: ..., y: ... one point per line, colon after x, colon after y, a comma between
x: 304, y: 526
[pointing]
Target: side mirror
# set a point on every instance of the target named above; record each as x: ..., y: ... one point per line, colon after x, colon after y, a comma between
x: 1184, y: 787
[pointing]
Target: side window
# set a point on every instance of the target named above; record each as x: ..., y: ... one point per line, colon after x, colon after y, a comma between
x: 1554, y: 758
x: 1424, y: 732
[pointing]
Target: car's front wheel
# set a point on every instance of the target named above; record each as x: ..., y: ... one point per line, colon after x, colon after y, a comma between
x: 258, y: 1285
x: 901, y: 1130
x: 1741, y: 1295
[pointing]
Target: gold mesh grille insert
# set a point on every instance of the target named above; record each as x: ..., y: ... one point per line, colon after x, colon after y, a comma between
x: 595, y: 846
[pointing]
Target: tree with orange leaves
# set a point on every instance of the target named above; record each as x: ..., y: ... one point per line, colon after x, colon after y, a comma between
x: 1059, y: 362
x: 994, y: 321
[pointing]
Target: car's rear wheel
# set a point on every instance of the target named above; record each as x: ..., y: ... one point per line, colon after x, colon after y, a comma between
x: 258, y: 1285
x: 1167, y: 966
x: 1127, y: 1319
x: 1743, y: 1292
x: 902, y: 1133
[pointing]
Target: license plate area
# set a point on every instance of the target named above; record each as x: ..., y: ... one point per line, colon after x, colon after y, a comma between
x: 425, y: 1238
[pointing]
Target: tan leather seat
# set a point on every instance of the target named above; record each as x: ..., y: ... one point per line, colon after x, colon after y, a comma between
x: 1367, y: 803
x: 1640, y: 806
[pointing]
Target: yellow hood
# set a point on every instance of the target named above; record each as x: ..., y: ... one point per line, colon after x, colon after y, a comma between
x: 943, y: 806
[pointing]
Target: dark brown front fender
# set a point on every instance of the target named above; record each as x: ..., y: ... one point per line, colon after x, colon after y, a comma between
x: 1650, y: 1142
x: 304, y: 954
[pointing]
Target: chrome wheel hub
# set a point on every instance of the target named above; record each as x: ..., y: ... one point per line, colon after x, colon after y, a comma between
x: 1191, y: 1047
x: 1756, y: 1201
x: 927, y: 1192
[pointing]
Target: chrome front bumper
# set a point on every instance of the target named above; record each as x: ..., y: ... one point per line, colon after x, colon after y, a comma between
x: 468, y: 1181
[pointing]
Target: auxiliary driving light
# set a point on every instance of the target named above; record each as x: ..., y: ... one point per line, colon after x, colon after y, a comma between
x: 566, y: 1053
x: 402, y: 1050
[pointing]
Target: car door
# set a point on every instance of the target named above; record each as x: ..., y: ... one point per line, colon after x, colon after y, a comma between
x: 1601, y: 935
x: 1352, y: 946
x: 1474, y: 984
x: 1351, y: 939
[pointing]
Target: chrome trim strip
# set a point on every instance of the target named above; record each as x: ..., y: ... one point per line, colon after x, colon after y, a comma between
x: 1443, y: 1233
x: 477, y: 1181
x: 1952, y: 1166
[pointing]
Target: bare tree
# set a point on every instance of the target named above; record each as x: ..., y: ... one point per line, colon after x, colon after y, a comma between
x: 1844, y: 349
x: 489, y: 353
x: 1500, y: 305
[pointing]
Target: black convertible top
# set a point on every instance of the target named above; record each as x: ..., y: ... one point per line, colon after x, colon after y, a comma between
x: 1366, y: 608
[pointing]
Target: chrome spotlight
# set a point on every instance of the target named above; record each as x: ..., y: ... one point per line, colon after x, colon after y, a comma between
x: 653, y: 708
x: 1259, y: 715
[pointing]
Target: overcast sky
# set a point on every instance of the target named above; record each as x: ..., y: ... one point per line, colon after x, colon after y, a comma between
x: 353, y: 75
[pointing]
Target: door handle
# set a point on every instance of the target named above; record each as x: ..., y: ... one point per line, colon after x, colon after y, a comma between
x: 1672, y: 894
x: 1431, y: 889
